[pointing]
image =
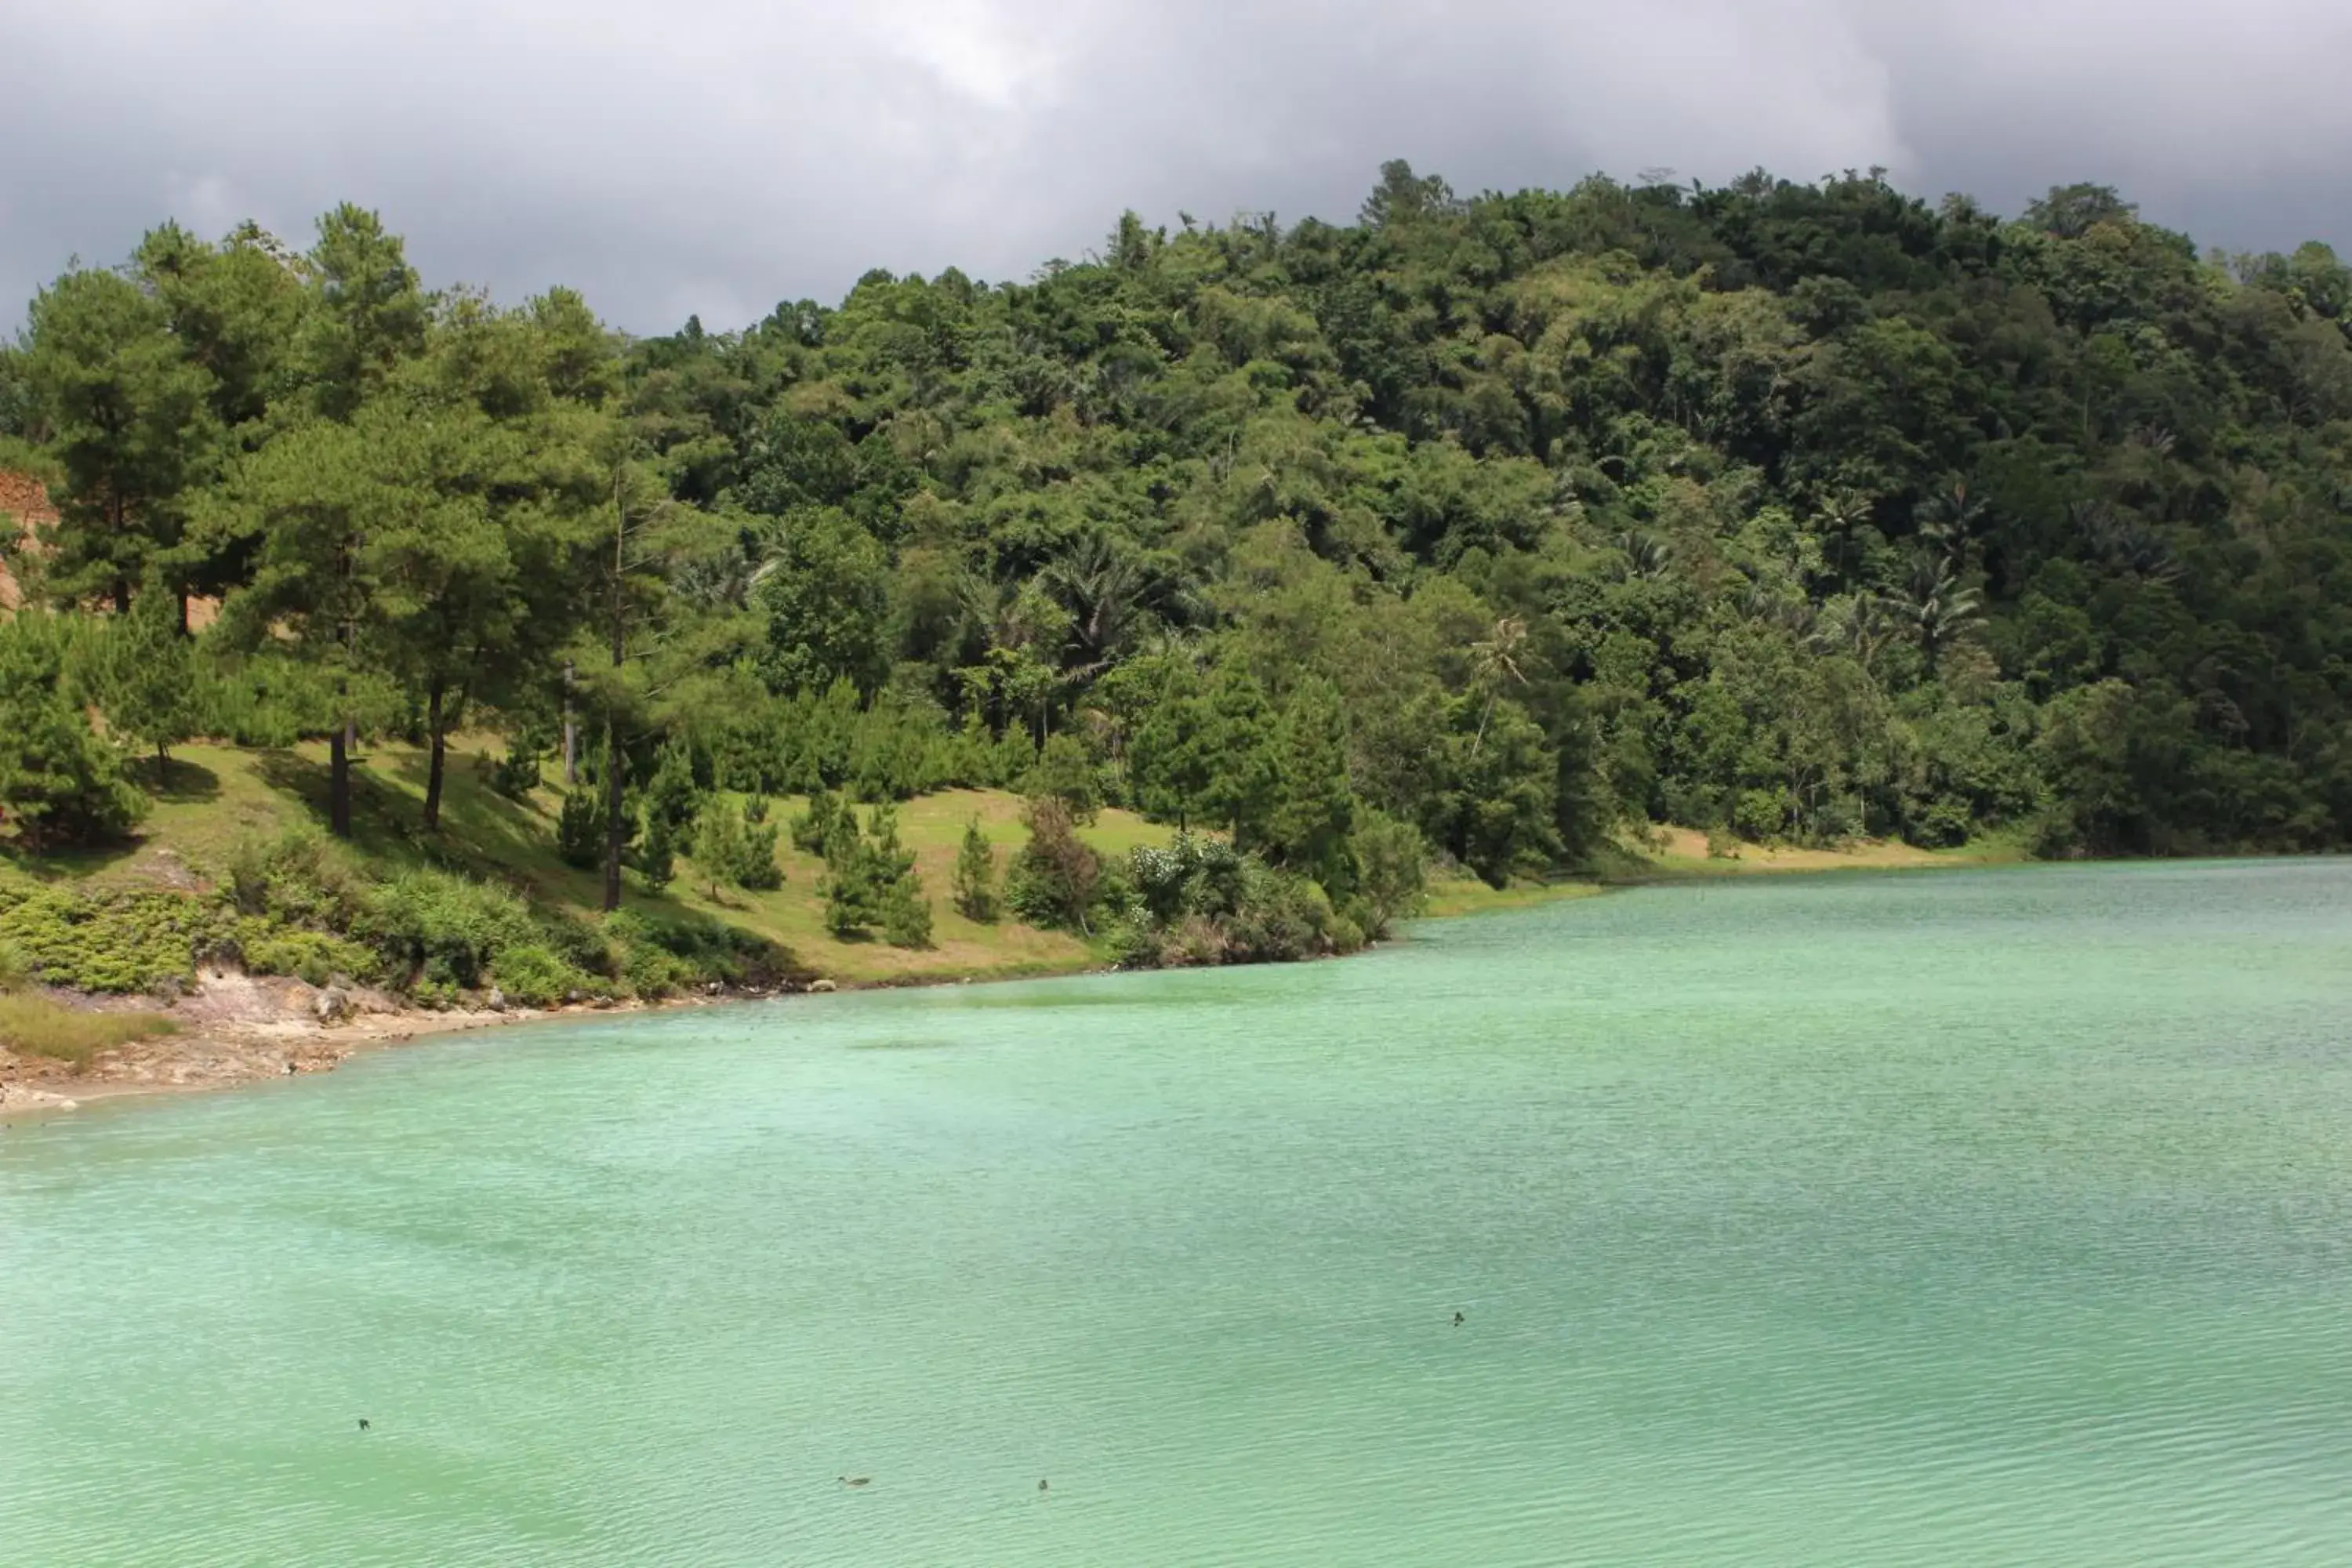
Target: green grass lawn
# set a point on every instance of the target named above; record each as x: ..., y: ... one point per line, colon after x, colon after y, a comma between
x: 218, y: 795
x: 1683, y: 852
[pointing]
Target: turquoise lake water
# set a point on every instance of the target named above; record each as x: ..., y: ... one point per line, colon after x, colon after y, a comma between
x: 1965, y: 1218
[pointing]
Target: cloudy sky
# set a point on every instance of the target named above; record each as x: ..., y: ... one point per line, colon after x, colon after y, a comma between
x: 718, y: 156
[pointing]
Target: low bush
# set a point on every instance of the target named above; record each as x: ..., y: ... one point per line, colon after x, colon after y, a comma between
x: 657, y: 957
x: 268, y: 947
x: 120, y: 941
x: 1200, y: 901
x: 1055, y: 880
x: 441, y: 927
x: 534, y: 976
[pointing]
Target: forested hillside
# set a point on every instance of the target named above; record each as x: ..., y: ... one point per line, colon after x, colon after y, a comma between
x: 1802, y: 513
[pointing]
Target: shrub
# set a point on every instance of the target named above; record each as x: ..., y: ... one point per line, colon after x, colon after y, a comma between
x: 1763, y: 814
x: 1942, y: 824
x: 121, y: 942
x: 1345, y: 936
x: 269, y: 948
x: 584, y: 946
x: 894, y: 750
x: 301, y: 876
x: 145, y: 674
x: 1391, y: 869
x: 531, y: 974
x: 1012, y: 758
x: 1055, y: 877
x: 1194, y: 875
x: 258, y: 700
x: 443, y: 928
x: 657, y: 957
x: 1280, y: 917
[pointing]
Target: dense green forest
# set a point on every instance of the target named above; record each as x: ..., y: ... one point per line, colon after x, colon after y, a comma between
x: 1498, y: 525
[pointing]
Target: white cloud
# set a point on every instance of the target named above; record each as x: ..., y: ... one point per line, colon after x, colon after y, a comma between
x: 716, y: 155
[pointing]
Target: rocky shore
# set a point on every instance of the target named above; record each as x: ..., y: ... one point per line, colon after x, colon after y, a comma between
x: 235, y: 1028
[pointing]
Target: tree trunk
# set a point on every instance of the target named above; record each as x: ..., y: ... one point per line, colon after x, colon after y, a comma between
x: 615, y: 813
x: 162, y: 767
x: 614, y: 803
x: 439, y: 750
x: 571, y: 733
x: 338, y: 782
x: 122, y: 595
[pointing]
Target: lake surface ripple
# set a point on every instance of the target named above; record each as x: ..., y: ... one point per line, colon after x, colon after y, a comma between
x: 1982, y: 1218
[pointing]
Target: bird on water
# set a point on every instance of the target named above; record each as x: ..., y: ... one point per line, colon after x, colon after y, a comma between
x: 363, y: 1423
x: 857, y: 1480
x: 1457, y: 1320
x: 1041, y: 1484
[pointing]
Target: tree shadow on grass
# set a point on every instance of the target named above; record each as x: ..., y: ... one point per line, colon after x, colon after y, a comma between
x: 64, y: 865
x: 483, y: 833
x: 184, y: 783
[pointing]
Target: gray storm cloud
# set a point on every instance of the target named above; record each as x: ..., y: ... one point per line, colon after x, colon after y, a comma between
x: 713, y: 156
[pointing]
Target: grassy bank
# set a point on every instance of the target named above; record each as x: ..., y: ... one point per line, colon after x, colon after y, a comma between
x: 219, y: 797
x: 1686, y: 854
x: 1677, y: 853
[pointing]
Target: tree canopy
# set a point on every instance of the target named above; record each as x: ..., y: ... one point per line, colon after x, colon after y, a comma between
x: 1801, y: 511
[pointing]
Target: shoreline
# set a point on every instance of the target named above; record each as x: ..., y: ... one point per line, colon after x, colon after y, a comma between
x: 238, y: 1030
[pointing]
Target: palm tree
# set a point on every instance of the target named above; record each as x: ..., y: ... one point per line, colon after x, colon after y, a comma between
x: 1935, y: 605
x: 1950, y: 521
x: 1493, y: 661
x: 2124, y: 541
x: 1646, y: 556
x: 1103, y: 588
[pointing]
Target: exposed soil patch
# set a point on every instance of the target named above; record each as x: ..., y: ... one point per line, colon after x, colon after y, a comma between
x: 234, y: 1028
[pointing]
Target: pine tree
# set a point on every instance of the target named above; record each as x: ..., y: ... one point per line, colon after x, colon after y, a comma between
x: 670, y: 803
x: 579, y: 828
x: 1066, y: 772
x: 853, y: 897
x: 975, y: 875
x: 146, y: 686
x: 1315, y: 807
x: 59, y: 783
x: 130, y: 425
x: 718, y: 844
x: 755, y: 866
x: 1244, y: 781
x: 813, y: 829
x: 1173, y: 757
x: 906, y: 913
